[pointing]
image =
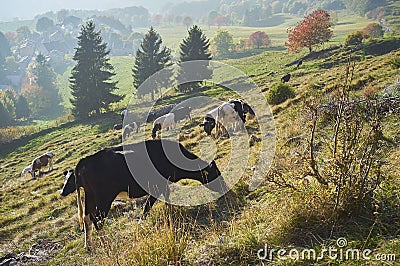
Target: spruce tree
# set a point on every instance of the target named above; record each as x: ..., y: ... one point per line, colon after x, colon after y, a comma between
x: 90, y: 80
x: 194, y: 47
x: 150, y: 58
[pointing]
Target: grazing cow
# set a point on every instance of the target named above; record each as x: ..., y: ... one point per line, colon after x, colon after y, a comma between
x: 285, y: 78
x: 209, y: 121
x: 117, y: 127
x: 128, y: 129
x: 299, y: 63
x: 152, y: 115
x: 166, y: 121
x: 182, y: 113
x: 226, y: 115
x: 242, y: 108
x: 123, y: 114
x: 37, y: 163
x: 106, y: 174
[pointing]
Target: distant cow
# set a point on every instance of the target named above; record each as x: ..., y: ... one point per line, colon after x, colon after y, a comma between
x: 299, y: 63
x: 117, y: 127
x: 152, y: 115
x: 229, y: 113
x: 166, y: 121
x: 128, y: 129
x: 286, y: 78
x: 226, y: 116
x: 181, y: 113
x: 242, y: 108
x: 38, y: 163
x: 106, y: 174
x: 123, y: 114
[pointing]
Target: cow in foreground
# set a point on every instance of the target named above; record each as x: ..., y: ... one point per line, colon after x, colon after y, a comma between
x: 37, y: 163
x: 106, y: 174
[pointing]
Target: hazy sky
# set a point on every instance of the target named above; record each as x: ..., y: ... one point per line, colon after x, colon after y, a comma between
x: 27, y: 9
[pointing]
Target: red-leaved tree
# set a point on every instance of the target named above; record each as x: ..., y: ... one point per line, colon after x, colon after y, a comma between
x: 259, y: 39
x: 314, y: 29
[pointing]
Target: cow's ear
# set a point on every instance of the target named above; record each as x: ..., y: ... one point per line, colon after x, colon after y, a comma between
x: 65, y: 172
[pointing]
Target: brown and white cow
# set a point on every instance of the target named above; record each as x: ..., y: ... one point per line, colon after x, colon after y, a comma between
x: 37, y: 163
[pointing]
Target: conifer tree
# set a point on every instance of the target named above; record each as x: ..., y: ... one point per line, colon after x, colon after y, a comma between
x: 150, y: 58
x: 194, y: 47
x: 90, y: 80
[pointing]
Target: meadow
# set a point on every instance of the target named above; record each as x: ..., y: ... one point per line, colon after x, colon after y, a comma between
x: 285, y: 211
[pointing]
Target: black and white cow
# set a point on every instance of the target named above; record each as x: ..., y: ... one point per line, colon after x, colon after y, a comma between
x: 232, y: 113
x: 209, y: 121
x: 106, y: 174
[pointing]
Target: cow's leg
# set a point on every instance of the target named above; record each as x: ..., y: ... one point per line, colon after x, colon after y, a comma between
x: 88, y: 232
x: 33, y: 174
x: 80, y: 209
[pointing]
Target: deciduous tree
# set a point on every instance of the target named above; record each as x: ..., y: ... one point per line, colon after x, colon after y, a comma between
x: 187, y: 21
x: 42, y: 95
x: 259, y: 39
x: 223, y: 42
x: 373, y: 30
x: 44, y: 24
x: 314, y: 29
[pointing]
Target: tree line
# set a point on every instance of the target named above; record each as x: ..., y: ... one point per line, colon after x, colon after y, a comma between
x: 91, y: 79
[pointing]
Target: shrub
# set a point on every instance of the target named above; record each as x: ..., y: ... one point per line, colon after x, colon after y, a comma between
x: 354, y: 38
x: 348, y: 158
x: 373, y: 30
x: 279, y: 93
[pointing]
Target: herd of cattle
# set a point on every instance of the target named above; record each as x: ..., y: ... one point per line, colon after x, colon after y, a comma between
x: 232, y: 112
x: 105, y: 174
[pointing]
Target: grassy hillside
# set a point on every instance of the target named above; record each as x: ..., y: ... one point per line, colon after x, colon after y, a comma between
x: 283, y: 212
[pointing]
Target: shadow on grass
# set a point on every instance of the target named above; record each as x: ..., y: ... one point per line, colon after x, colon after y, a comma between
x: 103, y: 123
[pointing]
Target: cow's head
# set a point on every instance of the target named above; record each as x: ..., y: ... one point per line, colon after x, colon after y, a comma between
x: 247, y: 109
x: 208, y: 125
x: 69, y: 184
x: 210, y: 176
x: 156, y: 127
